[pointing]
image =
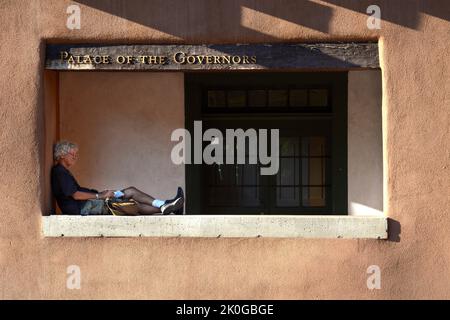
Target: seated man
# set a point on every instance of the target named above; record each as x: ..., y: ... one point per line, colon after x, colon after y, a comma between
x: 73, y: 199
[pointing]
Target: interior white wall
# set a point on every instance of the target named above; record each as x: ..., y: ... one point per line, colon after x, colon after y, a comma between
x: 122, y: 122
x: 365, y: 143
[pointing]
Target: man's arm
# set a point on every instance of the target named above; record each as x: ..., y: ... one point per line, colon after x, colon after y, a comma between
x: 81, y: 195
x: 94, y: 191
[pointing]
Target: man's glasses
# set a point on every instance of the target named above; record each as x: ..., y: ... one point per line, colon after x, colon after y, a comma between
x: 74, y: 155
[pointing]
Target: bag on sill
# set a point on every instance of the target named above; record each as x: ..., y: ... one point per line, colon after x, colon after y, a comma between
x: 121, y: 207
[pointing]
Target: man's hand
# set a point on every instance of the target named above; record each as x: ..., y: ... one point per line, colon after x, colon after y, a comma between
x: 106, y: 194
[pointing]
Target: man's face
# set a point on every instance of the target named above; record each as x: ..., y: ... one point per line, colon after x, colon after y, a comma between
x: 70, y: 158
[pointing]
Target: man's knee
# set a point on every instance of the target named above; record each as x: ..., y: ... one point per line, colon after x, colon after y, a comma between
x: 129, y: 191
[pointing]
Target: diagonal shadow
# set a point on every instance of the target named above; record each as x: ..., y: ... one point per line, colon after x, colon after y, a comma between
x: 202, y: 20
x: 406, y: 13
x: 305, y: 13
x: 225, y: 21
x: 205, y: 19
x: 393, y: 11
x: 437, y: 8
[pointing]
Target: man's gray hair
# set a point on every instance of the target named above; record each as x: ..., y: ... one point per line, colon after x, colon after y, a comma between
x: 62, y: 148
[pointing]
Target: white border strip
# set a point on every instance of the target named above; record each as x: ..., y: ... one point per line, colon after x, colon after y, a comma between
x: 279, y: 226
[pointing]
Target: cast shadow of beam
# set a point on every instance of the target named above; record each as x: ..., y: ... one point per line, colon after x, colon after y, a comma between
x: 406, y: 13
x: 394, y: 230
x: 437, y: 8
x: 303, y: 13
x: 220, y: 20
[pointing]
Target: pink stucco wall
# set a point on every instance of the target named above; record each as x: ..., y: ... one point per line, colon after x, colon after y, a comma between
x: 416, y: 133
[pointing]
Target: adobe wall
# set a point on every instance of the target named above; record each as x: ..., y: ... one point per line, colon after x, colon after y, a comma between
x: 416, y: 134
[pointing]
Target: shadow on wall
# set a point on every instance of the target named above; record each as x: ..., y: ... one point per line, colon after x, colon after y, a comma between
x: 404, y: 13
x: 394, y: 230
x: 193, y: 18
x: 190, y: 18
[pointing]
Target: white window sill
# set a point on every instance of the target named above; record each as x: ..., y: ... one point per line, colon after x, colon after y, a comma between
x: 278, y: 226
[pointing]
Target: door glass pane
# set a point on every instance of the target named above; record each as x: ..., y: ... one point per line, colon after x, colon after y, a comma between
x: 248, y: 181
x: 278, y: 98
x: 250, y: 196
x: 313, y: 146
x: 216, y: 99
x: 288, y: 196
x: 234, y: 185
x: 288, y: 172
x: 298, y: 98
x: 313, y: 197
x: 313, y: 171
x: 236, y: 98
x: 289, y: 146
x: 221, y: 174
x: 318, y: 98
x: 288, y: 176
x: 257, y: 98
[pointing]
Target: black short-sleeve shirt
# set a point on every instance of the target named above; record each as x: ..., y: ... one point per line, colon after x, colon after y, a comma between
x: 64, y: 185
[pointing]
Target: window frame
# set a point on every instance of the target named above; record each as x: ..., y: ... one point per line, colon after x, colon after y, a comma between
x: 307, y: 109
x: 196, y: 84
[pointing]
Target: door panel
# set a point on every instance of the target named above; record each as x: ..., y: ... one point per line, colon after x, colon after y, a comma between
x: 309, y: 109
x: 300, y: 184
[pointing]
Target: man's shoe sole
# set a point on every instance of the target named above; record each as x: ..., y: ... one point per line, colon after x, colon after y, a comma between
x: 173, y: 206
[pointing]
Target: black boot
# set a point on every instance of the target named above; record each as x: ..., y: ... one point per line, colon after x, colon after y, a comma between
x: 180, y: 193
